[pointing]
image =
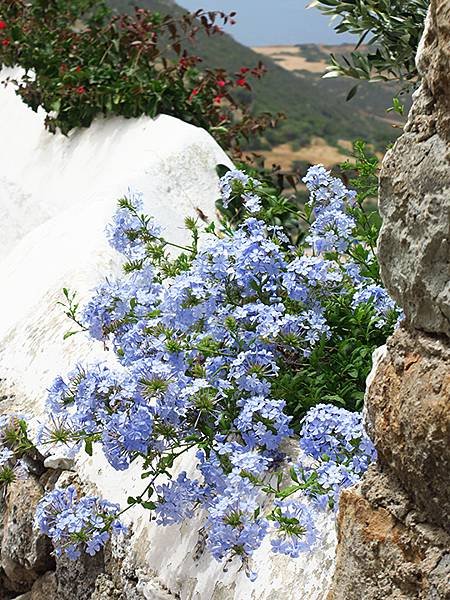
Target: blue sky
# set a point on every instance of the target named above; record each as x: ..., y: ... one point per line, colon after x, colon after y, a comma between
x: 267, y: 22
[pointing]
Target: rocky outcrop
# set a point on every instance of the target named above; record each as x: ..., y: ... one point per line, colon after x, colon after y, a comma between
x: 30, y: 571
x: 25, y: 553
x: 413, y: 248
x: 394, y: 528
x: 388, y: 549
x: 408, y: 408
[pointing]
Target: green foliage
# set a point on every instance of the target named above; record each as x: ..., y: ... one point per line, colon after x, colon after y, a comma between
x: 75, y: 85
x: 15, y: 436
x: 314, y: 107
x: 82, y: 61
x: 337, y: 369
x: 391, y: 29
x: 397, y: 107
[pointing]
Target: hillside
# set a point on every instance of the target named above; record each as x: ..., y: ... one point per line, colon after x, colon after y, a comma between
x: 316, y: 108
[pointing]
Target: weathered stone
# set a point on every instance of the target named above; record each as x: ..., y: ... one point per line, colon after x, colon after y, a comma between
x: 386, y: 549
x: 45, y: 588
x: 59, y: 462
x: 25, y: 552
x: 408, y: 409
x: 414, y: 249
x: 393, y: 529
x: 119, y: 581
x: 77, y: 578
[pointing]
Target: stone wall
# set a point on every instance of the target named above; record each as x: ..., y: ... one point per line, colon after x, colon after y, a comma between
x: 394, y: 528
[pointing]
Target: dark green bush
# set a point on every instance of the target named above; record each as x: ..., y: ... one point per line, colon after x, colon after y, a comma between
x: 81, y: 61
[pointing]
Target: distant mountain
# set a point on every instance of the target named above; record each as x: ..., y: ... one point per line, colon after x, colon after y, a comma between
x: 316, y: 108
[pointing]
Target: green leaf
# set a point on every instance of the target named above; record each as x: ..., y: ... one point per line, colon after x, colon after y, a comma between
x: 68, y: 334
x: 352, y: 93
x: 288, y: 491
x: 88, y: 447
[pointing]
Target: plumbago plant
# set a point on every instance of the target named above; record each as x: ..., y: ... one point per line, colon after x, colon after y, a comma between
x: 82, y: 61
x: 211, y: 345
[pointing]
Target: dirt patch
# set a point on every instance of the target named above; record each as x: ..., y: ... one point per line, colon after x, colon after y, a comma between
x: 318, y: 151
x: 290, y: 58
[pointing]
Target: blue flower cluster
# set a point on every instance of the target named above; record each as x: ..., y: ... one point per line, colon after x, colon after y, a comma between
x: 77, y: 525
x: 378, y: 296
x: 335, y: 438
x: 333, y: 231
x: 201, y: 343
x: 295, y: 528
x: 125, y: 233
x: 238, y: 184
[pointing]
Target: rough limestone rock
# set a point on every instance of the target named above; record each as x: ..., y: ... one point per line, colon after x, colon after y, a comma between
x: 408, y: 407
x: 45, y: 587
x: 56, y: 196
x: 413, y: 248
x: 386, y: 547
x: 394, y: 528
x: 76, y: 579
x: 25, y: 552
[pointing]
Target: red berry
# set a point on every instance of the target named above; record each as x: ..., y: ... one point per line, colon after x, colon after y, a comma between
x: 221, y: 83
x: 2, y: 25
x: 244, y: 70
x: 5, y: 42
x: 241, y: 82
x: 80, y: 89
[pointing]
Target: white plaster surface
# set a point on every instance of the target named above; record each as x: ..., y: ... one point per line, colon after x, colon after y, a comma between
x: 56, y: 195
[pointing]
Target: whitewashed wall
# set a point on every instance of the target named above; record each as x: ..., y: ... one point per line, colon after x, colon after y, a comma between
x: 56, y: 195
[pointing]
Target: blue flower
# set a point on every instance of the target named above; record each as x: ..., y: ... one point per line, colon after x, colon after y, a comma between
x: 294, y: 526
x: 337, y: 440
x: 178, y: 500
x: 378, y: 298
x: 232, y: 525
x: 234, y: 183
x: 74, y: 525
x: 129, y: 231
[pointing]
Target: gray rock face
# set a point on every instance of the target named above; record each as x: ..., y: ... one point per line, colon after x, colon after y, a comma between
x: 25, y: 553
x: 44, y: 588
x: 408, y: 407
x: 414, y: 249
x: 394, y: 528
x: 386, y: 548
x: 28, y: 569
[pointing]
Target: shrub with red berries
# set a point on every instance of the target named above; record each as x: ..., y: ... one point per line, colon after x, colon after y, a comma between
x: 129, y: 65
